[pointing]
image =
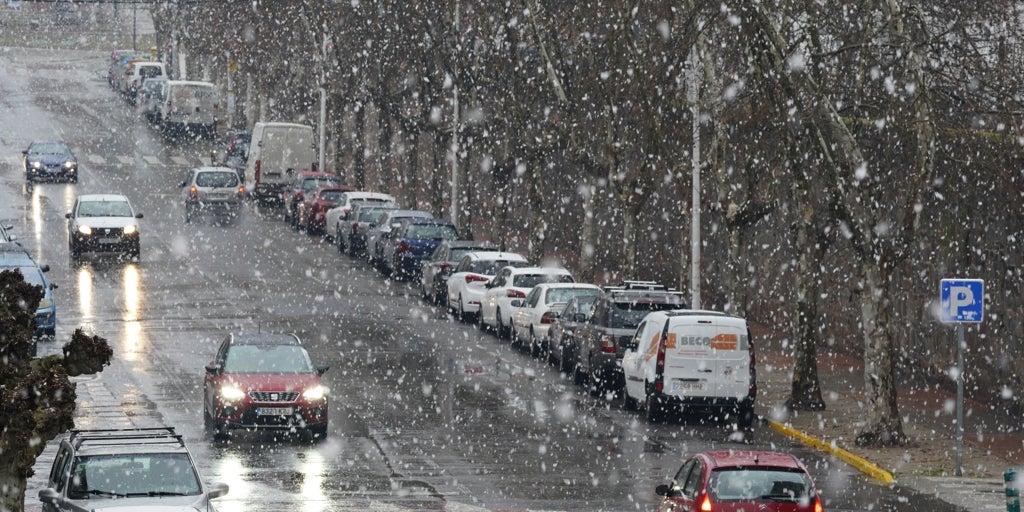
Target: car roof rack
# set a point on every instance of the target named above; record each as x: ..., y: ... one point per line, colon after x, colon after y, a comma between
x: 134, y: 436
x: 641, y: 286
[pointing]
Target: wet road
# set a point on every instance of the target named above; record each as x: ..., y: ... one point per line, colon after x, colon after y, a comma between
x: 426, y: 413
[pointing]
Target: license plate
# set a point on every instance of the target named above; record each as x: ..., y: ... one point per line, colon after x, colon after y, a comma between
x: 273, y: 411
x: 109, y: 240
x: 687, y: 385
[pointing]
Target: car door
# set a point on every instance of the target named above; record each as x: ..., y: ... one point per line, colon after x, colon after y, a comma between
x: 682, y: 493
x: 59, y: 474
x: 494, y: 288
x: 632, y: 362
x: 522, y: 317
x: 212, y: 380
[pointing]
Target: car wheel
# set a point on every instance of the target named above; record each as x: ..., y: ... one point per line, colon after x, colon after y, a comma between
x: 629, y: 403
x: 498, y: 327
x: 480, y: 321
x: 549, y: 351
x: 310, y: 230
x: 563, y: 360
x: 578, y: 375
x: 463, y: 316
x: 338, y: 239
x: 745, y: 416
x: 653, y: 407
x: 535, y: 348
x: 317, y: 432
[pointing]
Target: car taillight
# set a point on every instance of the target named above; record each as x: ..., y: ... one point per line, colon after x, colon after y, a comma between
x: 817, y: 504
x: 515, y: 294
x: 193, y: 193
x: 547, y: 318
x: 705, y: 504
x: 355, y: 227
x: 607, y: 343
x: 444, y: 266
x: 659, y: 366
x: 403, y: 247
x: 256, y: 175
x: 241, y: 192
x: 475, y: 278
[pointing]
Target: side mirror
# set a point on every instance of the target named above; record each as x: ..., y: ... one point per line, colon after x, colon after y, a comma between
x: 49, y: 495
x: 53, y: 286
x: 216, y: 490
x: 138, y: 215
x: 44, y: 268
x: 25, y: 152
x: 320, y: 370
x: 518, y: 303
x: 213, y: 368
x: 182, y: 184
x: 661, y: 490
x: 67, y: 215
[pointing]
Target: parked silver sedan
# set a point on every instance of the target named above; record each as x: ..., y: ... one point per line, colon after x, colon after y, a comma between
x: 212, y: 189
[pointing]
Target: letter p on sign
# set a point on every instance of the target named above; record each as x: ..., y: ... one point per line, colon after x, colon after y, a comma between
x: 962, y: 300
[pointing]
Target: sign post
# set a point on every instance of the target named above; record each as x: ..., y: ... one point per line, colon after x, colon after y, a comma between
x: 962, y: 301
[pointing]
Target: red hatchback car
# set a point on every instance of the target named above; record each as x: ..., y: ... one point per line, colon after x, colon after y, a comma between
x: 312, y: 210
x: 733, y: 481
x: 264, y: 381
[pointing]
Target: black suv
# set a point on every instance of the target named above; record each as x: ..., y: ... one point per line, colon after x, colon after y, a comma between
x: 127, y: 469
x: 597, y: 345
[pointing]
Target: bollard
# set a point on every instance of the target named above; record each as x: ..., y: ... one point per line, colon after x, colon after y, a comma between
x: 1012, y: 490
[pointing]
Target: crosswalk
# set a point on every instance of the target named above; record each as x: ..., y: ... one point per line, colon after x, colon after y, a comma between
x: 96, y: 160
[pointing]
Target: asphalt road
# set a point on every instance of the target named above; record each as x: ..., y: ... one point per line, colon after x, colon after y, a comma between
x: 426, y: 413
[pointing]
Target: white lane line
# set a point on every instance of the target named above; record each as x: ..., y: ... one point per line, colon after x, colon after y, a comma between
x: 152, y: 160
x: 180, y: 160
x: 96, y: 159
x: 126, y: 160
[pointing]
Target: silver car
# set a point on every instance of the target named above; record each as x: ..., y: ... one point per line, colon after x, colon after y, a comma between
x: 130, y: 469
x: 211, y: 189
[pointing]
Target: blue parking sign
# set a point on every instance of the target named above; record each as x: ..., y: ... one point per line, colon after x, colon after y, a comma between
x: 962, y: 300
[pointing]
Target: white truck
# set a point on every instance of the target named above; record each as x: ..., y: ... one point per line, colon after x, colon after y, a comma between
x: 189, y: 107
x: 276, y: 153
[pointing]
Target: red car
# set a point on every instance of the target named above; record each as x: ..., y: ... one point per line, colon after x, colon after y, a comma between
x: 264, y: 381
x: 731, y: 481
x: 302, y: 183
x: 311, y: 213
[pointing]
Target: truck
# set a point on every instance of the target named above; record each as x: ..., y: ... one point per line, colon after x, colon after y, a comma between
x: 277, y: 151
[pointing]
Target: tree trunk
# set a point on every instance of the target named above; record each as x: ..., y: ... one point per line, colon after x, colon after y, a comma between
x: 587, y: 234
x: 538, y: 212
x: 885, y: 427
x: 385, y: 177
x: 12, y: 489
x: 629, y: 270
x: 805, y: 393
x: 358, y: 153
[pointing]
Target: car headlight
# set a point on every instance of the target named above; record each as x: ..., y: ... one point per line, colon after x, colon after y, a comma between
x: 130, y: 229
x: 315, y: 393
x: 231, y: 393
x: 45, y: 303
x: 36, y: 164
x: 85, y: 230
x: 69, y: 165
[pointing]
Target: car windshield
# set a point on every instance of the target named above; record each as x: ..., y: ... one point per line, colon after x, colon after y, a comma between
x: 759, y: 484
x: 628, y: 315
x: 331, y: 195
x: 218, y: 179
x: 491, y: 267
x: 531, y: 280
x: 267, y: 359
x: 566, y: 294
x: 135, y: 474
x: 371, y: 215
x: 104, y: 209
x: 314, y: 183
x: 458, y: 252
x: 31, y: 275
x: 48, y: 148
x: 431, y: 232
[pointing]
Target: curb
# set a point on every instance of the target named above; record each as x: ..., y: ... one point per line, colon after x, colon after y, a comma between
x: 862, y: 464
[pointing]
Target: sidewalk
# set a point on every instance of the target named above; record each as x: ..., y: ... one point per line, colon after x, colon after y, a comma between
x: 993, y: 442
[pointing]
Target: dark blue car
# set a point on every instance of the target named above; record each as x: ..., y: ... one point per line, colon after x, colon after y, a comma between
x: 48, y: 160
x: 415, y: 240
x: 14, y: 257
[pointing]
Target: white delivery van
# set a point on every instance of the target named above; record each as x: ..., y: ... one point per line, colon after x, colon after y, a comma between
x: 138, y: 73
x: 689, y: 360
x: 277, y: 151
x: 189, y: 107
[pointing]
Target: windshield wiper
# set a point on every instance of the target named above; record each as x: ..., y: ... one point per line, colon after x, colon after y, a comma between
x: 779, y: 497
x: 157, y: 493
x: 97, y: 492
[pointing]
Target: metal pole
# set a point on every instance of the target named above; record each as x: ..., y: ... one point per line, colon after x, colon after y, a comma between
x: 960, y: 344
x: 693, y: 96
x: 455, y: 125
x: 134, y: 23
x: 323, y: 105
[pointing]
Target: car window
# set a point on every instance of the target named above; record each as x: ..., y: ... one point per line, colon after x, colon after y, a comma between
x: 431, y: 232
x: 533, y: 298
x: 267, y: 359
x: 331, y: 195
x: 767, y: 484
x: 531, y: 280
x: 59, y: 465
x: 48, y: 148
x: 693, y: 480
x: 627, y: 315
x: 679, y: 481
x: 566, y: 294
x: 104, y: 209
x: 220, y: 179
x: 133, y: 474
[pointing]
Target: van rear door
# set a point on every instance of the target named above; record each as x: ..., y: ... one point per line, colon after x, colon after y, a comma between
x: 704, y: 358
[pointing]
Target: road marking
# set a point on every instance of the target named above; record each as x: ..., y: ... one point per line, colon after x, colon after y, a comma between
x: 152, y: 160
x: 126, y: 160
x: 96, y: 159
x: 180, y: 160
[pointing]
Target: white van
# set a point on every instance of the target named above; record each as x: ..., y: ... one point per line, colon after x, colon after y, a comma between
x: 276, y: 153
x: 691, y: 359
x: 189, y: 107
x: 139, y: 72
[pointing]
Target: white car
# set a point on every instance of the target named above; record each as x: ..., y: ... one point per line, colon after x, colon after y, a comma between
x: 476, y: 269
x: 691, y: 360
x: 532, y: 316
x: 213, y: 190
x: 103, y: 223
x: 513, y: 283
x: 340, y: 213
